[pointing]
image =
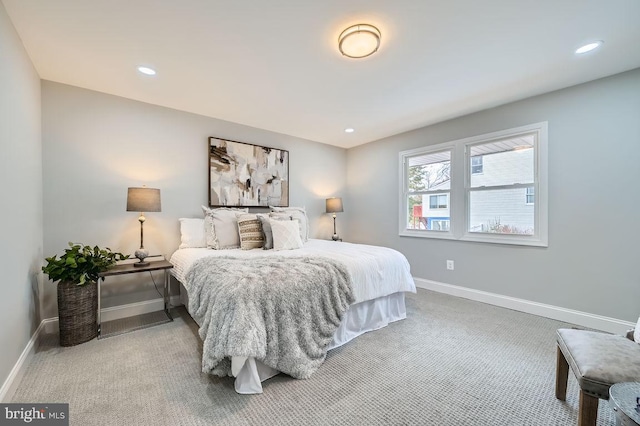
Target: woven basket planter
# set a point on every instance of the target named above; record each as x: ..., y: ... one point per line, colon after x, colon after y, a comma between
x: 77, y: 312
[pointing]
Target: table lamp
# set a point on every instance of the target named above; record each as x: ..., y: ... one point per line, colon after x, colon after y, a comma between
x: 143, y: 200
x: 334, y: 205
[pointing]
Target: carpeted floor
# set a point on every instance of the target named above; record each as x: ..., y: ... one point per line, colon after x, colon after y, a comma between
x: 451, y: 362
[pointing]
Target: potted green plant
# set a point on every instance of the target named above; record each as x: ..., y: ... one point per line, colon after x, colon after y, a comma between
x: 77, y: 272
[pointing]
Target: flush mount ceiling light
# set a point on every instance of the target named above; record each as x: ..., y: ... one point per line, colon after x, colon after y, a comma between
x: 359, y: 41
x: 589, y: 47
x: 147, y: 70
x: 349, y: 130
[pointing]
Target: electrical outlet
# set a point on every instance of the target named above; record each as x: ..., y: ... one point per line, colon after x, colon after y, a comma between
x: 450, y: 265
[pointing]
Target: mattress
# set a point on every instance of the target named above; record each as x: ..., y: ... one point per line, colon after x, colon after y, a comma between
x: 375, y: 271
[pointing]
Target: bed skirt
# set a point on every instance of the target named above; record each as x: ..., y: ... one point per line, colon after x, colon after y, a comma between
x: 360, y: 318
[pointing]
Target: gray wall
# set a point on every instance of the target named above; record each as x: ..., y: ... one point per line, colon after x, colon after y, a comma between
x: 21, y: 212
x: 97, y: 145
x: 591, y: 263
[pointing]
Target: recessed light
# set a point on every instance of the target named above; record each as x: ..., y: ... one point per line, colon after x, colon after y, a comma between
x: 349, y: 130
x: 589, y: 47
x: 147, y: 70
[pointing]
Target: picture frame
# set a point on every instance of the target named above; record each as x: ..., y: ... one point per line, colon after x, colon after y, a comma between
x: 247, y: 175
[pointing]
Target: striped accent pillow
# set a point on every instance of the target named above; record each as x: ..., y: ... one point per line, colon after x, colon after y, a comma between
x: 250, y: 230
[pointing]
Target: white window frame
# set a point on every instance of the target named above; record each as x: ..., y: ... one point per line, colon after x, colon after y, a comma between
x: 459, y: 204
x: 405, y: 193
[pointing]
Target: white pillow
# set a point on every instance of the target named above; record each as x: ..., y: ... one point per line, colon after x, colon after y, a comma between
x: 222, y: 220
x: 286, y: 234
x: 192, y: 233
x: 300, y: 214
x: 636, y: 332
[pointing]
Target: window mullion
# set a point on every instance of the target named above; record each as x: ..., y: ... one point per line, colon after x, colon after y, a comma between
x: 458, y: 203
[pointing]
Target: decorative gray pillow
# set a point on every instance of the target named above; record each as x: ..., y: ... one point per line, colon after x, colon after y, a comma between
x: 266, y: 230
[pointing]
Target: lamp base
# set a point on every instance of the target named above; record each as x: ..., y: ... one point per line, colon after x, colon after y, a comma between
x: 335, y: 237
x: 141, y: 254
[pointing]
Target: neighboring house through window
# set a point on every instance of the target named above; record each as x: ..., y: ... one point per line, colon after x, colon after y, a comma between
x: 439, y: 223
x: 438, y: 201
x: 476, y: 165
x: 530, y: 195
x: 471, y: 189
x: 427, y: 191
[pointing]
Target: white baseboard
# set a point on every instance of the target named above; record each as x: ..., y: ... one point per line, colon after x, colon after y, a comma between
x: 584, y: 319
x: 139, y: 308
x: 124, y: 311
x: 10, y: 385
x: 50, y: 325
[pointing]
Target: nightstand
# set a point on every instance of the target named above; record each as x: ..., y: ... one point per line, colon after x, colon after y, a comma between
x: 140, y: 321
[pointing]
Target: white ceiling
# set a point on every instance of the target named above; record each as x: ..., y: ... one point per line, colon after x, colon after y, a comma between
x: 275, y: 64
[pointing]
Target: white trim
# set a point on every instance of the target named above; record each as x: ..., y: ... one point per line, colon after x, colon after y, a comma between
x: 512, y: 239
x: 138, y: 308
x: 50, y: 325
x: 10, y: 385
x: 423, y: 233
x: 584, y: 319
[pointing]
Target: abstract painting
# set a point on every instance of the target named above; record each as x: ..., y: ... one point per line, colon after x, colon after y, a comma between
x: 245, y: 175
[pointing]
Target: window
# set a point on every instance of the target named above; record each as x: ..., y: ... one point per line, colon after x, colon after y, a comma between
x: 529, y: 195
x: 476, y: 165
x: 472, y: 189
x: 427, y: 188
x: 438, y: 201
x: 495, y: 203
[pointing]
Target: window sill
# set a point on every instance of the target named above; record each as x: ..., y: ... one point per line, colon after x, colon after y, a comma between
x: 442, y: 235
x: 511, y: 240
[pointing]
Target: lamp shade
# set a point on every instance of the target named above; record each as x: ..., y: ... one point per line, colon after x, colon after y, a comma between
x: 143, y: 200
x: 334, y: 205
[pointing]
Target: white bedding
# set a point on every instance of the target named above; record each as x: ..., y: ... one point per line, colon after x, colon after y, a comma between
x: 375, y: 271
x: 379, y: 277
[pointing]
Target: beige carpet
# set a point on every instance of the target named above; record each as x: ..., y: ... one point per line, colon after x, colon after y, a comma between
x: 451, y: 362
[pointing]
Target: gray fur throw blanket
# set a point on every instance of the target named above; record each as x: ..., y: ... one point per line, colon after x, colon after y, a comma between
x: 281, y: 310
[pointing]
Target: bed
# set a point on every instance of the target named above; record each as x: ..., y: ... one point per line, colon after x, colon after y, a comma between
x: 379, y: 278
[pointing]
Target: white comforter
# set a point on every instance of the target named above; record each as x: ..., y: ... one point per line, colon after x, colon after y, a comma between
x: 375, y: 271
